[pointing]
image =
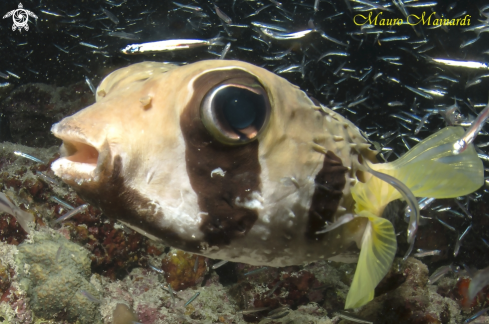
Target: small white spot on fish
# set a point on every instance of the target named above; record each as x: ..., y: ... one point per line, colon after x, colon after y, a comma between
x: 218, y: 171
x: 256, y: 201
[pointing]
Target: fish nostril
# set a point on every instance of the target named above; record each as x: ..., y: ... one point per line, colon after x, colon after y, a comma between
x: 80, y: 152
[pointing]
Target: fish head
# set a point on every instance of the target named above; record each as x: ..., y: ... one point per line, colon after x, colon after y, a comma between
x: 215, y: 157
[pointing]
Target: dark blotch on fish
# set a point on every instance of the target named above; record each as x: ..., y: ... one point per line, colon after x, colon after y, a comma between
x: 330, y: 182
x: 223, y: 222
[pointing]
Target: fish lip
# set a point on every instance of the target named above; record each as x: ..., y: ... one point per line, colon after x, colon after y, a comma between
x: 81, y: 159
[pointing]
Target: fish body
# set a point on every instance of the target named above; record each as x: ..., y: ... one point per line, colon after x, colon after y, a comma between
x: 155, y: 167
x: 230, y: 161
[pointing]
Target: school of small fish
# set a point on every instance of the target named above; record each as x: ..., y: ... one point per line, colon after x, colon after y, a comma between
x: 398, y: 83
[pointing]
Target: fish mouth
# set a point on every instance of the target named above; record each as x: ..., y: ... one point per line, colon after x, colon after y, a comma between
x: 81, y: 160
x: 80, y: 152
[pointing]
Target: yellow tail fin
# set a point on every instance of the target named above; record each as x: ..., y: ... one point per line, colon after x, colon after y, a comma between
x: 430, y: 169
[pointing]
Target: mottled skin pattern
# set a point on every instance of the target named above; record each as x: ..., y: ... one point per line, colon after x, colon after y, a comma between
x: 135, y: 154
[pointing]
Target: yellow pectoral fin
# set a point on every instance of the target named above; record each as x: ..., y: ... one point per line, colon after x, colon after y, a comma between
x: 377, y: 253
x: 373, y: 195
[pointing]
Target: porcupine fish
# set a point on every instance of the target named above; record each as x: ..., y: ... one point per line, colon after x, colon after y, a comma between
x: 230, y: 161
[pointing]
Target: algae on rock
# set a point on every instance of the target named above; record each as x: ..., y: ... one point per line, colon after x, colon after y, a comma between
x: 55, y: 273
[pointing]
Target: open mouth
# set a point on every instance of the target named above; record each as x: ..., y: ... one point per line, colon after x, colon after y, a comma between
x: 79, y: 152
x: 79, y: 160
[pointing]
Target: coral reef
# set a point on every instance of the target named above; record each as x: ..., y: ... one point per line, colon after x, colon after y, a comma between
x: 55, y: 274
x: 123, y: 315
x: 179, y: 269
x: 113, y: 247
x: 14, y: 303
x: 142, y: 291
x: 408, y: 299
x: 316, y: 284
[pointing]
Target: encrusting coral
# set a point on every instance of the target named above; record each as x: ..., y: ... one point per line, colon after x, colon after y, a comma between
x: 55, y: 273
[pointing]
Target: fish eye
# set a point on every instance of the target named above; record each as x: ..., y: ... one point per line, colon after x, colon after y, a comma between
x: 236, y: 111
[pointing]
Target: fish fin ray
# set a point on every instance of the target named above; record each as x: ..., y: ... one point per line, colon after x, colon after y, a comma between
x: 373, y: 195
x: 376, y: 255
x: 425, y: 167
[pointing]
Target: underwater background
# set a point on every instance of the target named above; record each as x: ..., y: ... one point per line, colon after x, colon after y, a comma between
x: 90, y: 269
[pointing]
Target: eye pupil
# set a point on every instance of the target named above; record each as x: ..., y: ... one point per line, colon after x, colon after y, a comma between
x: 239, y: 106
x: 236, y: 111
